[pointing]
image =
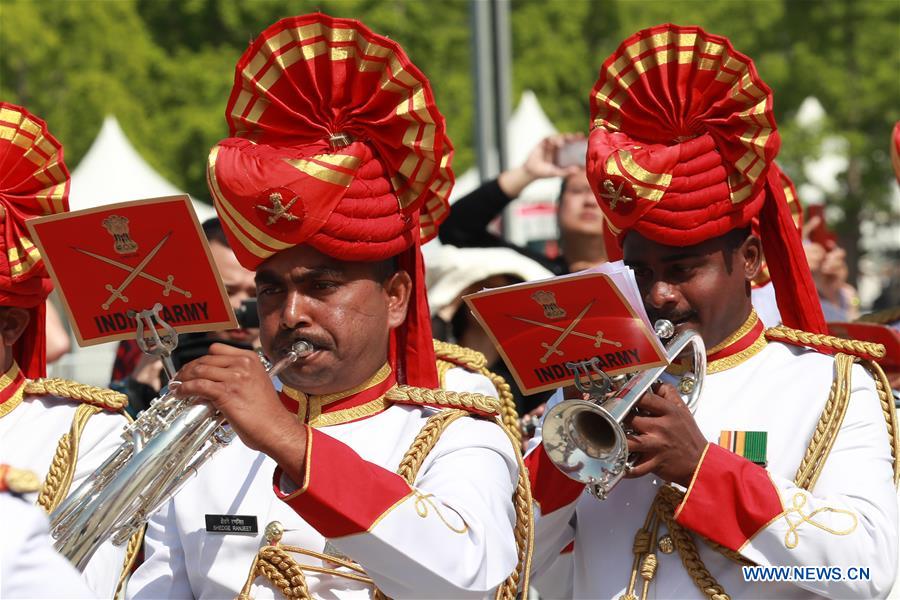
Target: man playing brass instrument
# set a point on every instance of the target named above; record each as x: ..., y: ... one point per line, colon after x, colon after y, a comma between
x: 337, y: 166
x: 61, y: 430
x: 789, y: 460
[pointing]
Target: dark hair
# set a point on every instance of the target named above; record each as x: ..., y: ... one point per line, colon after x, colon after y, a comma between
x: 212, y: 229
x: 734, y: 238
x: 385, y: 268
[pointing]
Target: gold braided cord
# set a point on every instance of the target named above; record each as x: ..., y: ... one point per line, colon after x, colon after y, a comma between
x: 476, y: 362
x: 883, y: 388
x: 855, y: 347
x: 460, y: 355
x: 276, y: 565
x: 667, y: 499
x: 131, y: 553
x: 524, y: 528
x: 442, y: 367
x: 424, y: 442
x: 62, y: 467
x: 89, y: 394
x: 807, y: 474
x: 882, y: 317
x: 468, y: 401
x: 829, y: 423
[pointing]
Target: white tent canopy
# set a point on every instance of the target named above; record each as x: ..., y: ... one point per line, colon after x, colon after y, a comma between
x: 113, y: 171
x: 527, y: 126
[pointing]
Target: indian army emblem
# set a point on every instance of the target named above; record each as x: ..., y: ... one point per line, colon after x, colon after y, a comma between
x: 117, y: 226
x: 547, y: 300
x: 279, y: 210
x: 614, y: 194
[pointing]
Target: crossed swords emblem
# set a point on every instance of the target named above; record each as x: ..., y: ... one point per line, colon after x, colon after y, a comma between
x: 614, y: 194
x: 279, y: 210
x: 118, y: 292
x: 566, y: 332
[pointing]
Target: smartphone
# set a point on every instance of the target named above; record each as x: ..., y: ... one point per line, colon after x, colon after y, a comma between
x: 247, y: 315
x: 572, y: 154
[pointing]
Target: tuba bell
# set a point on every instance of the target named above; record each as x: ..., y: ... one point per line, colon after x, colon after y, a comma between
x: 163, y: 447
x: 586, y: 439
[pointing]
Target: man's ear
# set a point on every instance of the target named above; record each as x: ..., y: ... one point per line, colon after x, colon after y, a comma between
x: 13, y: 321
x: 751, y: 257
x: 398, y: 288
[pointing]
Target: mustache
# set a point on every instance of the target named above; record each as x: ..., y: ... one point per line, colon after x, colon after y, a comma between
x: 283, y: 341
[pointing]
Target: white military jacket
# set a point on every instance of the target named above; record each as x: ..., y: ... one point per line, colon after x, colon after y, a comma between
x: 847, y: 521
x: 29, y: 567
x: 449, y: 536
x: 30, y: 431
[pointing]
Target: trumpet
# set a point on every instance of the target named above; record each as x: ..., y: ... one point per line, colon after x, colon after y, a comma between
x: 586, y: 439
x: 162, y: 449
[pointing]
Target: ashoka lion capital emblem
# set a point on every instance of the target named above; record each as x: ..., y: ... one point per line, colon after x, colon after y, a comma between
x: 547, y: 300
x: 117, y: 226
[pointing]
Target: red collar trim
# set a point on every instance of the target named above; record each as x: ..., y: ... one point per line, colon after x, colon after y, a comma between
x: 362, y: 401
x: 747, y: 341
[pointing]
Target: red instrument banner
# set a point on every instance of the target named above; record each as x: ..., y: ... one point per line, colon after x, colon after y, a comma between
x: 112, y: 261
x: 876, y: 333
x: 538, y: 327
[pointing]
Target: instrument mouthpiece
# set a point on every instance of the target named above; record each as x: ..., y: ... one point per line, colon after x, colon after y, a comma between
x: 301, y: 347
x: 664, y: 329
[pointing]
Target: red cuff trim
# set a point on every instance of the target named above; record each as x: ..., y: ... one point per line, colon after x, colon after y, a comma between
x: 730, y: 499
x: 550, y: 488
x: 343, y: 494
x: 279, y: 473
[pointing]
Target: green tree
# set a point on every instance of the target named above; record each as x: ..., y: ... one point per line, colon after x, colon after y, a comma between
x: 165, y: 69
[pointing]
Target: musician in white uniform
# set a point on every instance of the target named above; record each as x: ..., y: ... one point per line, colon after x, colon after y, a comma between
x: 59, y: 429
x: 27, y: 557
x: 789, y: 460
x: 347, y: 483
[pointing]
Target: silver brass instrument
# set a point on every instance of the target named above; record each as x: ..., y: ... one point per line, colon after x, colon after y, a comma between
x: 586, y: 439
x: 163, y: 448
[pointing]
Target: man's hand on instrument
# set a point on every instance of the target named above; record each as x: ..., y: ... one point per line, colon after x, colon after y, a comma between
x: 235, y: 381
x: 666, y: 436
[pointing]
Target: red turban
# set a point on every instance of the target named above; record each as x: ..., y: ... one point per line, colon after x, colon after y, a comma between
x: 336, y: 142
x: 682, y: 150
x: 34, y: 182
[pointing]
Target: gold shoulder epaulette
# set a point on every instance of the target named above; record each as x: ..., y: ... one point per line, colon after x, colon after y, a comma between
x: 468, y: 401
x: 827, y: 344
x: 473, y: 360
x: 80, y: 392
x: 18, y: 481
x: 449, y: 355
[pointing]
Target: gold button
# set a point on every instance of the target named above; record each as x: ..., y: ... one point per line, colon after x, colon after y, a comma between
x: 666, y: 544
x: 274, y: 531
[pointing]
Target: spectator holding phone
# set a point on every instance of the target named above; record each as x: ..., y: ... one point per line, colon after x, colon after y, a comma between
x: 579, y: 218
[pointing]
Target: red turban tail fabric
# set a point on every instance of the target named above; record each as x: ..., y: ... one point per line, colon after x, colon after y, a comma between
x: 34, y: 182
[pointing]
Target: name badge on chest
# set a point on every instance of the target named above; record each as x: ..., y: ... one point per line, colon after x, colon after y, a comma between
x: 244, y: 524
